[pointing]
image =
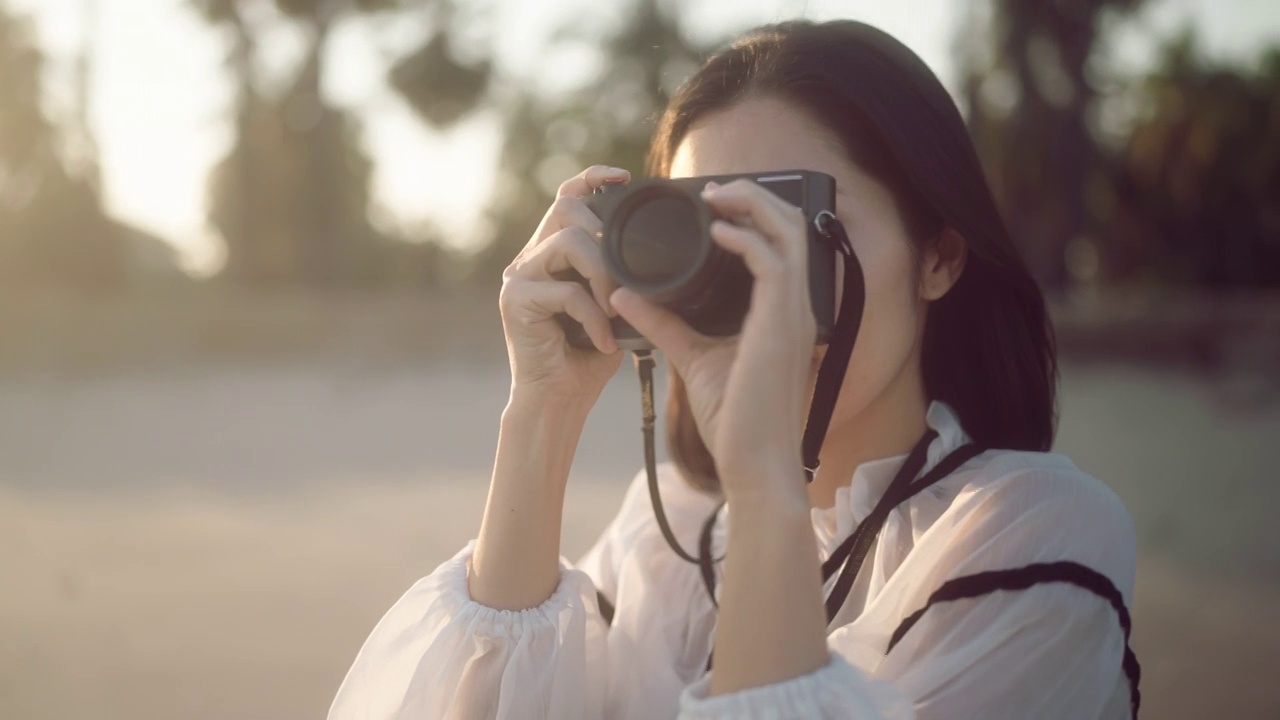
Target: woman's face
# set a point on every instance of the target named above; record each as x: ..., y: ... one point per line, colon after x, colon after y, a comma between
x: 764, y: 134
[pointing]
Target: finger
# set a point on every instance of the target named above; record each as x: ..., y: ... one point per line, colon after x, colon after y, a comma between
x: 668, y: 331
x: 780, y: 288
x: 566, y: 211
x: 573, y: 249
x: 586, y: 182
x: 549, y: 298
x: 763, y: 259
x: 780, y: 221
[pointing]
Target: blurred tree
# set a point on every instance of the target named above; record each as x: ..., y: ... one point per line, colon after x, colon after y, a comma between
x: 609, y: 120
x: 53, y: 231
x: 291, y: 198
x: 1028, y: 87
x: 1197, y: 184
x: 441, y: 85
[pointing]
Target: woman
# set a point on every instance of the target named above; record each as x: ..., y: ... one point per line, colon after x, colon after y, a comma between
x: 996, y: 591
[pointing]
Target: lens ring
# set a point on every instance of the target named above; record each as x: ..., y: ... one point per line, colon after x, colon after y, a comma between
x: 639, y: 195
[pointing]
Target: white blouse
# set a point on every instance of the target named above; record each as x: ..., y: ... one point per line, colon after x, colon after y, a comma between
x: 1049, y: 651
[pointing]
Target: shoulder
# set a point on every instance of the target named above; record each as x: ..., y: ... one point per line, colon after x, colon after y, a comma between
x: 1019, y: 508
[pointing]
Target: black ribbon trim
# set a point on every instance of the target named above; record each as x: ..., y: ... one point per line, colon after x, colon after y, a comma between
x: 985, y: 583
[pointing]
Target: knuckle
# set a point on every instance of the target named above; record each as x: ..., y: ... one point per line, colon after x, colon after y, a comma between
x: 578, y: 247
x: 580, y: 302
x: 513, y: 268
x: 579, y: 294
x: 562, y: 205
x: 567, y: 187
x: 560, y: 241
x: 508, y: 294
x: 580, y: 236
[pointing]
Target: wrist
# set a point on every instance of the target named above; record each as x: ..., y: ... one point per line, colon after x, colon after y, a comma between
x: 771, y: 486
x: 537, y: 438
x: 532, y: 404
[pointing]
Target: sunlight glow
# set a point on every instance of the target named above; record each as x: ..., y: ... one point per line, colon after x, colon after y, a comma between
x: 161, y: 100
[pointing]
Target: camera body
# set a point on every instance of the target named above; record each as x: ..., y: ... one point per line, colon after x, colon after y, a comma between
x: 656, y: 241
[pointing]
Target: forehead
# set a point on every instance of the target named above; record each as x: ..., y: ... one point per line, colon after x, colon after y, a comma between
x: 759, y: 135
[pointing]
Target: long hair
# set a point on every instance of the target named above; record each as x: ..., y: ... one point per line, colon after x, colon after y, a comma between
x: 988, y: 348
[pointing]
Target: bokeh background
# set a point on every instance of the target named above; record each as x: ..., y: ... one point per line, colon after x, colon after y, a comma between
x: 251, y: 365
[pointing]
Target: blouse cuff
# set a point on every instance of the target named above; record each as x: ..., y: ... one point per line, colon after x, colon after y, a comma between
x: 568, y: 597
x: 836, y: 690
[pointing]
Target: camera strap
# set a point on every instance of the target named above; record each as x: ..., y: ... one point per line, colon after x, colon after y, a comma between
x: 839, y: 346
x: 826, y: 390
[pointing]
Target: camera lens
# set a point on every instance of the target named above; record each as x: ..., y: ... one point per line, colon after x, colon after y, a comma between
x: 659, y: 238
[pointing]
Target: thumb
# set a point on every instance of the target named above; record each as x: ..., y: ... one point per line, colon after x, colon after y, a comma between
x: 665, y: 329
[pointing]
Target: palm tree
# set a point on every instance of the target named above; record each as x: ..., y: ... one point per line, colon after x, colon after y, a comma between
x: 291, y: 197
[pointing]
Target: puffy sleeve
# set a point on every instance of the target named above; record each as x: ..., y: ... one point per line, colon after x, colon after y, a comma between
x: 439, y: 654
x: 1049, y: 650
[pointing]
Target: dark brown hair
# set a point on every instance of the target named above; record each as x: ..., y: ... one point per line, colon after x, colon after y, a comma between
x: 988, y: 347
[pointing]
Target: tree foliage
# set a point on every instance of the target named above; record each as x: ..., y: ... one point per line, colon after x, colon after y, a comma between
x: 53, y: 231
x: 1186, y: 195
x: 1028, y: 89
x: 291, y: 198
x: 1196, y: 186
x: 1183, y: 193
x: 608, y: 120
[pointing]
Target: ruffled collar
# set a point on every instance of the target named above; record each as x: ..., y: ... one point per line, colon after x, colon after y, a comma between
x: 854, y: 501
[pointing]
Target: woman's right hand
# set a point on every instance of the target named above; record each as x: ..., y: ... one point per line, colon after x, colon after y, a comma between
x: 533, y: 293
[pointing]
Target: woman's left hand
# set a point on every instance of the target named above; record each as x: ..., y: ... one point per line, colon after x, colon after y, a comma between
x: 749, y: 394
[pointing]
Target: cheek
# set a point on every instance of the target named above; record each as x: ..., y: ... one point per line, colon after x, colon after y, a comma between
x: 890, y: 320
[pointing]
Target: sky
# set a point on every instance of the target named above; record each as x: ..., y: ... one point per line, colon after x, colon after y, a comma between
x: 160, y: 100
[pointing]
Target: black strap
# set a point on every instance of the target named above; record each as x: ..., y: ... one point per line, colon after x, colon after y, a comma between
x: 984, y: 583
x: 839, y: 346
x: 851, y: 553
x: 644, y: 363
x: 827, y: 388
x: 705, y: 563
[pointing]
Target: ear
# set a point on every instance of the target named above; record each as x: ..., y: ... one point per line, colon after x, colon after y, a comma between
x: 942, y: 264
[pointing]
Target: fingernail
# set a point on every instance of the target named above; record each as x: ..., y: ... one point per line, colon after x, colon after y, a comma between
x: 710, y: 187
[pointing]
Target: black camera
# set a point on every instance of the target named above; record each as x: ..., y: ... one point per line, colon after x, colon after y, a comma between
x: 656, y: 241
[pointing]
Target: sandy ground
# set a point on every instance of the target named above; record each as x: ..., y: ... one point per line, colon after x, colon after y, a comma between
x: 216, y: 543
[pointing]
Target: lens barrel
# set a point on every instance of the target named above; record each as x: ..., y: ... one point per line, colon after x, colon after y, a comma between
x: 657, y: 242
